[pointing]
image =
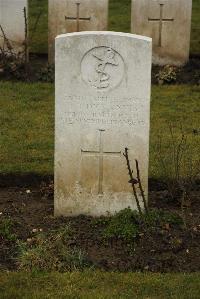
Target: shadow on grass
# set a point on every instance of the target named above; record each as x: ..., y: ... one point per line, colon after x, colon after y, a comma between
x: 23, y: 179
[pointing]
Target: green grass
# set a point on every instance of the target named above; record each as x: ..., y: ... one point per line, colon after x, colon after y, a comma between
x: 51, y: 252
x: 195, y: 32
x: 27, y: 127
x: 40, y: 35
x: 178, y: 105
x: 119, y: 20
x: 99, y: 285
x: 27, y: 124
x: 119, y: 15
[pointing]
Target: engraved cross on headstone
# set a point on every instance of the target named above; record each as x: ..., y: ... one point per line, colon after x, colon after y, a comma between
x: 77, y: 18
x: 160, y: 20
x: 101, y: 154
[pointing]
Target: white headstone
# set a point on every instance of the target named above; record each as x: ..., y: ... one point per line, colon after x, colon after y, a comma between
x: 73, y: 16
x: 13, y: 23
x: 168, y: 22
x: 102, y: 84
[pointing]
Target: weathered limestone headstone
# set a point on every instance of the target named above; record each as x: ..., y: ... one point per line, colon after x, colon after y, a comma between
x: 67, y: 16
x: 13, y: 24
x: 102, y: 106
x: 168, y: 22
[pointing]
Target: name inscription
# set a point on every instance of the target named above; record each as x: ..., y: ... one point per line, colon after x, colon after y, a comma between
x: 103, y: 110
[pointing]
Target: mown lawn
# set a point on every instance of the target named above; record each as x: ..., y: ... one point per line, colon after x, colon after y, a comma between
x: 27, y: 124
x: 99, y: 285
x: 27, y: 127
x: 39, y: 43
x: 119, y: 20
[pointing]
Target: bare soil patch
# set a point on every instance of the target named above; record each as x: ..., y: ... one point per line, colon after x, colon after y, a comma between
x: 166, y: 248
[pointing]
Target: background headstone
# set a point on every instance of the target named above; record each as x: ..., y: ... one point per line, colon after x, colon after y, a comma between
x: 73, y: 16
x: 168, y: 22
x: 13, y: 23
x: 102, y: 84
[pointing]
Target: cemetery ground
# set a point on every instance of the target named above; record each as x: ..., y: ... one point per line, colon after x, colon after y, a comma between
x: 34, y: 244
x: 33, y: 240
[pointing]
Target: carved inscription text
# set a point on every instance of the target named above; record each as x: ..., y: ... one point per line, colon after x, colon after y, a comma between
x: 104, y: 110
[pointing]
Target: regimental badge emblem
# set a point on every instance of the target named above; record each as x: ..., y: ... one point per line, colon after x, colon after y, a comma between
x: 102, y: 68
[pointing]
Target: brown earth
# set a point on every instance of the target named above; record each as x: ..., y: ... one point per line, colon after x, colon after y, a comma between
x: 166, y: 248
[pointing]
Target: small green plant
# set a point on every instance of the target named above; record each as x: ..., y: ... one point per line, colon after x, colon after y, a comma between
x: 128, y: 224
x: 157, y: 218
x: 123, y: 225
x: 168, y: 74
x: 51, y: 252
x: 100, y: 222
x: 46, y: 74
x: 6, y: 229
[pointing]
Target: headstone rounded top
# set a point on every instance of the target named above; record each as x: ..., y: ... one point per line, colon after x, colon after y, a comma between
x: 105, y: 33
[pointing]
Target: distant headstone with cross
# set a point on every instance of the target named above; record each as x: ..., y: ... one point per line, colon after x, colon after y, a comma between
x: 12, y: 26
x: 168, y: 22
x: 67, y: 16
x: 102, y: 84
